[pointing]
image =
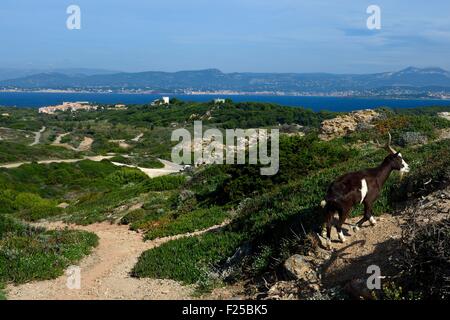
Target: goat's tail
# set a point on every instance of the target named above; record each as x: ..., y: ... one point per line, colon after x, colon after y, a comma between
x: 323, y: 204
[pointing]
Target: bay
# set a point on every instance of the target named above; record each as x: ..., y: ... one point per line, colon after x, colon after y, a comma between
x: 40, y: 99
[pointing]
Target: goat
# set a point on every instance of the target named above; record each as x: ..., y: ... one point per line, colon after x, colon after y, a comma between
x: 363, y: 187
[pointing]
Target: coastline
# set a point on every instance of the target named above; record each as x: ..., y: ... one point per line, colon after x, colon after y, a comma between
x: 228, y: 94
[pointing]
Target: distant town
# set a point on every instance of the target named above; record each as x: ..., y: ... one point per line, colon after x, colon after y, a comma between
x: 378, y: 93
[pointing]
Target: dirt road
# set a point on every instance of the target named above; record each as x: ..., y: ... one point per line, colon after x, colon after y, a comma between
x: 169, y: 167
x: 18, y: 164
x: 105, y: 273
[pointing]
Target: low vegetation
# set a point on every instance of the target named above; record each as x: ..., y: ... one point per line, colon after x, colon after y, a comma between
x: 28, y: 253
x: 269, y: 215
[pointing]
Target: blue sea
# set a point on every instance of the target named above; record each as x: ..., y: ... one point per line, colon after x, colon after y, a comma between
x: 35, y: 100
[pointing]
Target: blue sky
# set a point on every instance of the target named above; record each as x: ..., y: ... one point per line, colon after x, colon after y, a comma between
x: 231, y: 35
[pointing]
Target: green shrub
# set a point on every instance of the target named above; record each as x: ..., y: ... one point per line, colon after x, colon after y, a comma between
x: 126, y: 176
x: 133, y: 216
x: 186, y: 259
x: 164, y: 183
x: 424, y: 262
x: 28, y: 254
x: 196, y: 220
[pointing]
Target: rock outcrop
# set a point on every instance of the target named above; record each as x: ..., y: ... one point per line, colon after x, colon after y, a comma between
x: 345, y: 124
x: 445, y: 115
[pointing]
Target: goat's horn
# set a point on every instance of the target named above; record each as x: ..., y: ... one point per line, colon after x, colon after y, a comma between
x: 388, y: 145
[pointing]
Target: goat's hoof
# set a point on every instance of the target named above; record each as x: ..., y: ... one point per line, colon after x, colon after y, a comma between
x: 328, y: 245
x: 341, y: 237
x: 356, y: 229
x: 373, y: 222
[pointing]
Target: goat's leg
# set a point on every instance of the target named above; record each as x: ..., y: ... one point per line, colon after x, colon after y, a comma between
x: 368, y: 214
x: 342, y: 218
x: 329, y: 219
x: 367, y: 217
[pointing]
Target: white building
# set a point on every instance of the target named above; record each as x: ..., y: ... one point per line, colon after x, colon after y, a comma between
x: 165, y: 100
x: 219, y: 101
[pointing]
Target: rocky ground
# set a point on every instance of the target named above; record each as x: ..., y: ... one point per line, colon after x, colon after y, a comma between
x: 347, y: 123
x: 342, y: 272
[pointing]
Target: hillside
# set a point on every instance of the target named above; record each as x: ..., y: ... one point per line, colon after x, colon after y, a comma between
x: 212, y: 231
x: 412, y: 80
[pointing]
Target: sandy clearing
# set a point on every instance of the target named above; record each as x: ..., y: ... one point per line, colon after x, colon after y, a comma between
x: 105, y: 273
x: 121, y: 143
x: 445, y: 115
x: 86, y: 144
x: 169, y: 168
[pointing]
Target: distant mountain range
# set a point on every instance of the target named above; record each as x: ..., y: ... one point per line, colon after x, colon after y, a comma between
x: 14, y: 73
x: 212, y: 80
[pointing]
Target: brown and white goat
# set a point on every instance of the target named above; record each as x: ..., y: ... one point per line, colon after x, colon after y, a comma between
x: 359, y: 187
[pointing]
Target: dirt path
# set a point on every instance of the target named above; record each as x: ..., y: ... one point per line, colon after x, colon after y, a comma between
x: 369, y: 246
x: 138, y: 137
x: 37, y: 136
x: 169, y: 167
x: 85, y: 145
x: 105, y: 273
x: 18, y: 164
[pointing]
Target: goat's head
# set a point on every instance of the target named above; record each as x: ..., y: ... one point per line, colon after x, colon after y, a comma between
x: 396, y: 159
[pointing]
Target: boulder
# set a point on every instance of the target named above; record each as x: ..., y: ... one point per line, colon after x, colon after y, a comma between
x: 63, y: 205
x: 345, y: 124
x: 300, y: 268
x: 284, y: 290
x: 412, y: 138
x: 357, y: 288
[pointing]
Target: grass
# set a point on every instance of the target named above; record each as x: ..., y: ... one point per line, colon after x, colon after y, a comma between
x: 16, y: 152
x: 28, y: 253
x: 188, y: 259
x: 193, y: 221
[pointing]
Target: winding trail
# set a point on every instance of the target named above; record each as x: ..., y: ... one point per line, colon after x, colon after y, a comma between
x: 37, y: 136
x: 105, y: 273
x: 169, y: 167
x: 85, y: 145
x: 138, y: 137
x: 18, y: 164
